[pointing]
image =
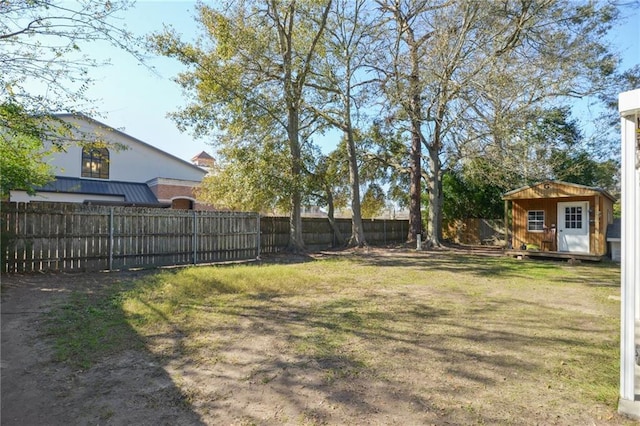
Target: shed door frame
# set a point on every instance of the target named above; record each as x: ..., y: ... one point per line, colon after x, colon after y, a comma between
x: 573, y: 227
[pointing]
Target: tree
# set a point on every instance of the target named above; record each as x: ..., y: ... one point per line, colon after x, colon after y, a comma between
x: 482, y: 66
x: 529, y: 151
x: 468, y: 197
x: 330, y: 185
x: 550, y: 146
x: 580, y: 167
x: 248, y: 78
x: 606, y: 141
x: 403, y: 85
x: 42, y: 50
x: 22, y: 162
x: 248, y: 177
x: 45, y: 71
x: 338, y: 82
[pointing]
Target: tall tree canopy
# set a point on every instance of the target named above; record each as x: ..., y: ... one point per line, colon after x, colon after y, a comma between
x: 340, y: 89
x: 247, y: 78
x: 454, y: 85
x: 460, y: 76
x: 551, y: 146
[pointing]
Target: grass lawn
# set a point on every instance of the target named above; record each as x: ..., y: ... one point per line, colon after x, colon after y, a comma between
x: 376, y: 337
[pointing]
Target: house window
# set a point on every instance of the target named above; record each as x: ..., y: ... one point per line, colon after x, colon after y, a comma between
x: 95, y: 162
x: 573, y: 218
x: 535, y: 220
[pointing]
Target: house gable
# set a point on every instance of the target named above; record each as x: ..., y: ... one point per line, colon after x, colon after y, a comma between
x: 107, y: 166
x: 137, y: 162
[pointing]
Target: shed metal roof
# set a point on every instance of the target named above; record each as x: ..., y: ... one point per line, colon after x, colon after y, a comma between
x: 133, y: 192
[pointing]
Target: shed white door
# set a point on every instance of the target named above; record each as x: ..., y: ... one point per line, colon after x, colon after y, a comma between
x: 573, y: 227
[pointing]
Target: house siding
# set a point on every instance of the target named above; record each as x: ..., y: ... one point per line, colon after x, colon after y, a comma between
x: 139, y: 162
x: 139, y: 173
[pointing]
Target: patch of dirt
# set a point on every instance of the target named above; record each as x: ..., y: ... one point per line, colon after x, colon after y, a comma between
x: 128, y: 388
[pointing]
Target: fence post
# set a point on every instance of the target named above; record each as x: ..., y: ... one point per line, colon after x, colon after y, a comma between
x: 111, y: 239
x: 195, y: 238
x: 258, y: 237
x: 384, y: 230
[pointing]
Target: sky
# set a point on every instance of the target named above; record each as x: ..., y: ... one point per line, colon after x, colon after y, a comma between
x: 136, y: 101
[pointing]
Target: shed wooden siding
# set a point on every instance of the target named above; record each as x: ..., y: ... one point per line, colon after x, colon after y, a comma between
x: 600, y: 207
x: 546, y: 196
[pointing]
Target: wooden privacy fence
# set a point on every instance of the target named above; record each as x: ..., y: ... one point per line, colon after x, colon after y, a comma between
x: 75, y: 237
x: 68, y: 237
x: 474, y: 231
x: 318, y: 234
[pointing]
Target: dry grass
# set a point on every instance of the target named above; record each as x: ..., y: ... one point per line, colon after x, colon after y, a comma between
x: 388, y: 337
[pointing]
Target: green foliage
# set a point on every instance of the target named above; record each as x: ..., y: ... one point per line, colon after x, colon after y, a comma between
x: 328, y: 179
x: 249, y: 178
x: 22, y: 164
x: 617, y: 209
x: 467, y: 197
x: 549, y: 145
x: 373, y: 202
x: 383, y: 150
x: 246, y: 78
x: 579, y: 167
x: 22, y: 154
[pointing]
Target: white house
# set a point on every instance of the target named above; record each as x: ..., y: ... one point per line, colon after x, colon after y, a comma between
x: 629, y: 107
x: 116, y: 168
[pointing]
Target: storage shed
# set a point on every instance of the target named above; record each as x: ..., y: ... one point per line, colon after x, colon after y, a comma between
x: 559, y: 217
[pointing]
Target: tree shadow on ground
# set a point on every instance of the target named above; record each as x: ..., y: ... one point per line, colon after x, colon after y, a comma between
x: 375, y: 357
x: 121, y: 383
x: 382, y: 356
x: 478, y: 264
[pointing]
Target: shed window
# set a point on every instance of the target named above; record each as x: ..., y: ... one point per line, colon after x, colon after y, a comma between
x: 535, y: 220
x: 95, y: 162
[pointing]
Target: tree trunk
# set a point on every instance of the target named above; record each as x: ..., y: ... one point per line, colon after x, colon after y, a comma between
x: 434, y: 218
x: 296, y: 242
x: 415, y: 190
x: 415, y: 156
x: 357, y: 232
x: 339, y: 238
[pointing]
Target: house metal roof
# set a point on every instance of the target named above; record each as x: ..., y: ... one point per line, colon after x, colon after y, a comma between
x: 133, y: 193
